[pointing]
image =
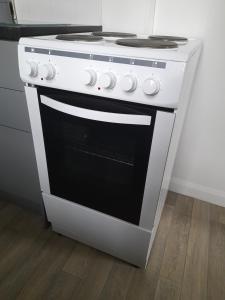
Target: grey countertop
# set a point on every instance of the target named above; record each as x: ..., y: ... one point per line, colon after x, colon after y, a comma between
x: 14, y: 31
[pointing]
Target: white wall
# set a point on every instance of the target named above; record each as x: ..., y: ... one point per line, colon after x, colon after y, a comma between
x: 59, y: 11
x: 128, y: 15
x: 118, y: 15
x: 200, y: 165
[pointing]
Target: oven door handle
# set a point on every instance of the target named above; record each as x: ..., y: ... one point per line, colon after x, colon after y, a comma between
x: 96, y: 115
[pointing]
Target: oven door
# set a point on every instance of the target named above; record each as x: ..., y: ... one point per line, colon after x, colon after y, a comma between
x: 97, y: 151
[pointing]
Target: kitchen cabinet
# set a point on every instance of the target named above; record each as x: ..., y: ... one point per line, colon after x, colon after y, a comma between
x: 18, y: 171
x: 13, y: 110
x: 9, y: 73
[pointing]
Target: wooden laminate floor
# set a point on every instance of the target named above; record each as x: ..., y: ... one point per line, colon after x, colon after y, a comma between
x: 187, y: 260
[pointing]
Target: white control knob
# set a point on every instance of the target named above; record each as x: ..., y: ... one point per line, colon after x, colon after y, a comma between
x: 128, y: 83
x: 32, y: 68
x: 89, y: 77
x: 107, y: 80
x: 47, y: 71
x: 151, y: 86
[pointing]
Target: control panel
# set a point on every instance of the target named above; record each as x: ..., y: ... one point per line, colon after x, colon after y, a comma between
x: 136, y: 83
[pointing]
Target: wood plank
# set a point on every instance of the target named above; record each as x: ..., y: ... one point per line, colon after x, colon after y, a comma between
x: 216, y: 263
x: 20, y: 249
x: 117, y: 284
x: 98, y: 273
x: 9, y: 231
x: 8, y: 213
x: 8, y: 238
x: 171, y: 198
x: 26, y: 222
x: 167, y: 290
x: 38, y: 264
x: 52, y: 258
x: 79, y: 261
x: 217, y: 213
x: 144, y: 282
x: 2, y: 204
x: 194, y: 285
x: 222, y: 215
x: 62, y: 287
x: 14, y: 281
x: 176, y: 247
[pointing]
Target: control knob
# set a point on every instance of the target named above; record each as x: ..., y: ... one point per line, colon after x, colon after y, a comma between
x: 128, y: 83
x: 151, y: 86
x: 32, y: 68
x: 89, y: 77
x: 107, y: 80
x: 47, y: 71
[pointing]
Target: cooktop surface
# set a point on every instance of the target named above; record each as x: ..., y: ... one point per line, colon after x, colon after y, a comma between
x: 114, y: 34
x: 147, y: 43
x: 177, y: 39
x: 79, y: 37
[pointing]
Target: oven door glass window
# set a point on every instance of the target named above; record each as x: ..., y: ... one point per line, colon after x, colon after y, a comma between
x: 97, y: 153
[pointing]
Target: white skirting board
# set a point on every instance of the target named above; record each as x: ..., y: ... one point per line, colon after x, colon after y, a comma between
x: 198, y: 191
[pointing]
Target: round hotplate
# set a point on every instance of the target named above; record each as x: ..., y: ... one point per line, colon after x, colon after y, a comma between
x: 78, y: 37
x: 168, y: 38
x: 157, y: 44
x: 113, y: 34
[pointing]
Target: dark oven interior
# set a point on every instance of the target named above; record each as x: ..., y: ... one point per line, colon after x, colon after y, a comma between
x: 100, y: 165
